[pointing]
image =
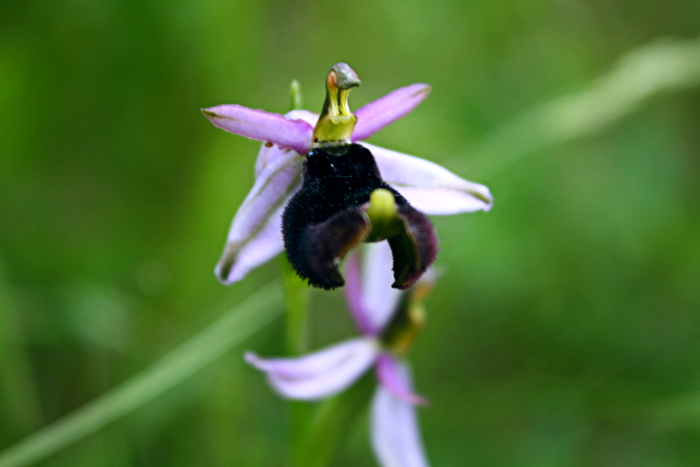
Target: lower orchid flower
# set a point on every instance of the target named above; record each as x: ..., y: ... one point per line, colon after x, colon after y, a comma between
x: 388, y: 321
x: 328, y: 194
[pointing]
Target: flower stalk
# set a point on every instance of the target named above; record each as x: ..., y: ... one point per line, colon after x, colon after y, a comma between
x: 331, y: 422
x: 296, y: 295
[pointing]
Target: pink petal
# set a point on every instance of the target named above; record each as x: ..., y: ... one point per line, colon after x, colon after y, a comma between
x: 395, y: 432
x: 395, y: 378
x: 262, y: 126
x: 320, y: 374
x: 368, y: 279
x: 268, y: 154
x: 354, y: 295
x: 377, y: 114
x: 429, y: 187
x: 256, y: 231
x: 379, y: 297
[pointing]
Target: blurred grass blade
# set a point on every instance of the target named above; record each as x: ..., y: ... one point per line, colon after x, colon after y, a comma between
x: 675, y: 413
x: 229, y: 330
x: 20, y: 407
x: 662, y: 66
x: 333, y: 422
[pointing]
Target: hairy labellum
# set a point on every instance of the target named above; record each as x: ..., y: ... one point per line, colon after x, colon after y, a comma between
x: 328, y: 217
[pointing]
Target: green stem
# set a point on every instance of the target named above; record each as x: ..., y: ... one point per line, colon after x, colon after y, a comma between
x: 296, y: 299
x: 296, y: 294
x: 333, y: 421
x: 17, y: 386
x: 296, y: 333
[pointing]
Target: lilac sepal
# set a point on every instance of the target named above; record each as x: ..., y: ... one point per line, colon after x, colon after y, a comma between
x: 320, y: 374
x: 254, y: 237
x: 391, y: 377
x: 268, y: 154
x: 377, y: 114
x: 395, y: 434
x: 262, y: 126
x: 429, y: 187
x: 239, y: 258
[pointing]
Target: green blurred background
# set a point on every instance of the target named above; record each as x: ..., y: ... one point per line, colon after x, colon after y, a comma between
x: 566, y: 328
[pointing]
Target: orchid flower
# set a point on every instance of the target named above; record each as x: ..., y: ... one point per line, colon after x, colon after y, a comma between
x: 388, y: 325
x: 297, y: 174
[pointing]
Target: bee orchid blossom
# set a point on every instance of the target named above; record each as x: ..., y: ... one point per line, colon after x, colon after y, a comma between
x: 321, y: 226
x: 388, y: 325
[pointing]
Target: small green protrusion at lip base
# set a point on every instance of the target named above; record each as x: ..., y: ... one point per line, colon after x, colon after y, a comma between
x: 405, y: 326
x: 336, y: 123
x: 383, y: 215
x: 409, y: 320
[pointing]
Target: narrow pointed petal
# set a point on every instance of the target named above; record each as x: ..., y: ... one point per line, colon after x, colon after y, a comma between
x: 255, y: 236
x: 395, y: 432
x: 320, y: 374
x: 394, y: 377
x: 429, y: 187
x: 268, y: 154
x: 377, y: 114
x: 262, y: 126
